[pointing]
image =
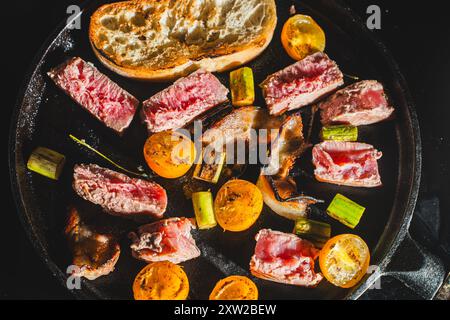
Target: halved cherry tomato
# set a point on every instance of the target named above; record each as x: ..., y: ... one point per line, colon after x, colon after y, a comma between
x: 344, y: 260
x: 238, y: 205
x: 169, y: 154
x: 161, y: 281
x: 302, y: 36
x: 235, y: 288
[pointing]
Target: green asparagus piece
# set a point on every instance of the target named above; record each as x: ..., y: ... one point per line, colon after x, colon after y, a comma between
x: 46, y: 162
x: 340, y: 133
x: 345, y: 211
x: 242, y: 87
x: 203, y: 208
x: 315, y: 231
x: 210, y: 168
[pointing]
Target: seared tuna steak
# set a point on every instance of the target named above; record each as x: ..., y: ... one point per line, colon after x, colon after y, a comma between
x: 301, y: 84
x: 117, y: 193
x: 284, y: 258
x: 361, y: 103
x: 166, y: 240
x: 96, y: 93
x: 347, y: 163
x: 183, y: 101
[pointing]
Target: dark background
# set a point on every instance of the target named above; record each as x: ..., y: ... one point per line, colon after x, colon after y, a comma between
x: 418, y: 37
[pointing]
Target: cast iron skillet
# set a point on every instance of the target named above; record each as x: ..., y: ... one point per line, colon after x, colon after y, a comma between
x: 44, y: 116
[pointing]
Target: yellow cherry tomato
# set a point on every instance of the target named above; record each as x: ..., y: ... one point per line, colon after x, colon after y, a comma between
x: 169, y: 154
x: 302, y: 36
x: 161, y: 281
x: 235, y: 288
x: 344, y: 260
x: 238, y: 205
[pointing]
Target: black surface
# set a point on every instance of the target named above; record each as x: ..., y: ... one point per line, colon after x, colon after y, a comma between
x: 423, y: 78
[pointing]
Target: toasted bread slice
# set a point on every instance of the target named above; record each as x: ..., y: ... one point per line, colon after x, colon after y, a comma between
x: 165, y: 39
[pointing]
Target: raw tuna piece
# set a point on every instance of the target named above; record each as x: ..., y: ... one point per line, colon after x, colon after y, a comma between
x: 301, y: 84
x: 117, y: 193
x: 183, y: 101
x: 96, y: 93
x: 166, y: 240
x: 284, y: 258
x: 347, y: 163
x: 361, y: 103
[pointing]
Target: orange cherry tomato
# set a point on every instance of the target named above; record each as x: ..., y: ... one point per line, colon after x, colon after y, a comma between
x: 302, y: 36
x: 235, y: 288
x: 169, y: 154
x: 238, y: 205
x: 161, y: 281
x: 344, y: 260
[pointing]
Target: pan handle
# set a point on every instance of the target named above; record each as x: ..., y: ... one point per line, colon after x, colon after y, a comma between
x: 422, y: 272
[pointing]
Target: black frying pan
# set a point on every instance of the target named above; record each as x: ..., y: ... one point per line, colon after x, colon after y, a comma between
x: 44, y: 116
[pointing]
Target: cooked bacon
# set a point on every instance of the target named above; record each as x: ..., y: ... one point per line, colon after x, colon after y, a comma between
x: 275, y: 184
x: 347, y: 163
x: 117, y: 193
x: 238, y: 125
x: 361, y: 103
x: 234, y: 126
x: 289, y: 204
x: 287, y: 147
x: 95, y: 254
x: 302, y: 83
x: 166, y: 240
x: 183, y: 101
x: 284, y: 258
x: 96, y: 93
